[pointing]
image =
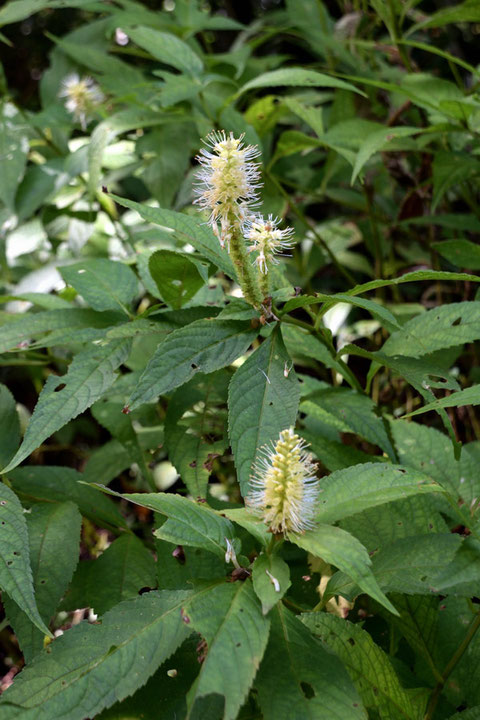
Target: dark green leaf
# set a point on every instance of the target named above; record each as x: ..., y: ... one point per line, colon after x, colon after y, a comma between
x: 104, y: 284
x: 176, y: 277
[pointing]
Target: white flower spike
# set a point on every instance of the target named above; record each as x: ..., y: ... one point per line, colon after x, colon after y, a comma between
x: 284, y: 487
x: 267, y: 240
x: 83, y: 95
x: 229, y: 180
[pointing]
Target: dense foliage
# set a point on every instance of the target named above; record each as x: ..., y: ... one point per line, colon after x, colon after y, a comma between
x: 240, y: 461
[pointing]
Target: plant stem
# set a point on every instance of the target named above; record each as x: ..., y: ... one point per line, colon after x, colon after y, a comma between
x: 246, y: 277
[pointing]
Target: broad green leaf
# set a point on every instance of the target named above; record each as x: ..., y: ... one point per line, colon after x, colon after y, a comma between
x: 301, y: 344
x: 347, y: 492
x: 14, y: 149
x: 263, y: 400
x: 271, y: 580
x: 312, y: 116
x: 23, y: 330
x: 341, y: 549
x: 195, y: 429
x: 90, y: 667
x: 336, y: 455
x: 167, y: 48
x: 176, y: 277
x: 374, y: 308
x: 15, y: 571
x: 368, y: 666
x: 417, y: 276
x: 229, y: 617
x: 43, y: 300
x: 468, y: 396
x: 54, y: 535
x: 436, y: 329
x: 107, y: 462
x: 203, y: 346
x: 89, y: 375
x: 463, y: 253
x: 299, y: 679
x: 298, y: 77
x: 39, y: 483
x: 190, y: 227
x: 467, y: 11
x: 21, y: 9
x: 378, y: 140
x: 249, y: 522
x: 451, y: 169
x: 462, y: 575
x: 9, y: 426
x: 418, y: 624
x: 103, y: 284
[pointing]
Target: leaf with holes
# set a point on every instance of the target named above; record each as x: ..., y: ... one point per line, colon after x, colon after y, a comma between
x: 176, y: 277
x: 271, y: 580
x: 103, y: 284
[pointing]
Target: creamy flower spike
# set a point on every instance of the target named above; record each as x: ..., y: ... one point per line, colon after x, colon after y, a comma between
x: 267, y: 240
x: 284, y: 487
x: 229, y: 179
x: 83, y: 95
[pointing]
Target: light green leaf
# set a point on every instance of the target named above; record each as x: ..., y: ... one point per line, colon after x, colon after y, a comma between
x: 469, y: 396
x: 21, y: 9
x: 54, y: 535
x: 312, y: 116
x: 271, y: 580
x: 192, y: 228
x: 203, y: 346
x: 230, y: 619
x: 347, y: 492
x: 14, y: 149
x: 376, y: 141
x: 463, y: 253
x: 368, y: 666
x: 417, y: 276
x: 375, y: 309
x: 64, y: 397
x: 167, y: 48
x: 298, y: 77
x: 176, y: 277
x: 249, y: 522
x: 299, y: 679
x: 90, y: 667
x: 467, y: 11
x: 103, y: 284
x: 15, y: 571
x: 263, y: 400
x: 9, y: 426
x: 38, y: 483
x: 439, y: 328
x: 341, y: 549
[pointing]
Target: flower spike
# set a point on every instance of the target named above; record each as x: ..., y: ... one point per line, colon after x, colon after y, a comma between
x: 284, y: 487
x: 267, y: 240
x: 82, y: 94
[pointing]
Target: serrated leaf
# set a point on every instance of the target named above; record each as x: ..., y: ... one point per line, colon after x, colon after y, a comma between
x: 176, y: 277
x: 300, y: 680
x: 196, y: 231
x: 262, y: 401
x: 64, y: 397
x: 249, y: 522
x: 418, y: 624
x: 301, y: 344
x: 374, y: 308
x: 204, y: 345
x: 376, y: 141
x: 90, y: 667
x: 9, y: 425
x: 14, y: 149
x: 34, y: 483
x: 298, y: 77
x: 15, y: 571
x: 103, y: 284
x: 462, y: 575
x: 417, y: 276
x: 167, y: 48
x: 271, y: 580
x: 54, y: 538
x: 368, y: 666
x: 463, y: 253
x: 230, y: 619
x: 336, y: 455
x: 436, y: 329
x: 350, y: 491
x: 468, y: 396
x: 339, y: 548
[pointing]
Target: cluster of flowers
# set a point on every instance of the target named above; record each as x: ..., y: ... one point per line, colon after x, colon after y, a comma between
x: 228, y: 189
x: 82, y: 96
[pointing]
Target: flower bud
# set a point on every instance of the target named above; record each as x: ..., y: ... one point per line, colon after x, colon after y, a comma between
x: 82, y: 94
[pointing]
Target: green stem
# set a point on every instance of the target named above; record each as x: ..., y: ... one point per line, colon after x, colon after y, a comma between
x: 243, y: 266
x: 264, y: 282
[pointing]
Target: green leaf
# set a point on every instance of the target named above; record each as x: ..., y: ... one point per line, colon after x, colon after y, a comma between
x: 263, y: 400
x: 14, y: 149
x: 341, y: 549
x: 9, y: 426
x: 298, y: 77
x: 249, y: 522
x: 418, y: 624
x: 103, y: 284
x: 301, y: 344
x: 471, y: 714
x: 192, y: 228
x: 230, y: 619
x: 469, y: 396
x: 54, y: 534
x: 89, y: 375
x: 15, y: 571
x: 450, y: 169
x: 436, y: 329
x: 19, y: 332
x: 167, y: 48
x: 336, y: 455
x: 467, y: 11
x: 271, y: 580
x: 417, y: 276
x: 374, y: 308
x: 299, y: 679
x: 176, y: 277
x: 21, y: 9
x: 90, y: 666
x: 35, y: 483
x: 368, y: 666
x: 463, y: 253
x: 347, y: 492
x: 378, y: 140
x: 203, y: 346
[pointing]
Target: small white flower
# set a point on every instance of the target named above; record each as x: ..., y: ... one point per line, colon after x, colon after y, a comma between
x: 284, y: 487
x: 229, y: 180
x: 267, y: 240
x: 82, y: 96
